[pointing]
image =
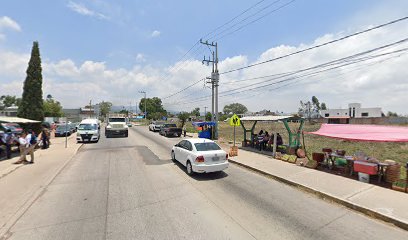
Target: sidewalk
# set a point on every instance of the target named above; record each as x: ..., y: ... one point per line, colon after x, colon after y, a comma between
x: 21, y: 185
x: 382, y: 203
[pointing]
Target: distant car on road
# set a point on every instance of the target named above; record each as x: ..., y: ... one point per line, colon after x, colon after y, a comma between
x: 155, y: 126
x: 200, y: 155
x: 63, y: 130
x: 88, y: 131
x: 170, y: 129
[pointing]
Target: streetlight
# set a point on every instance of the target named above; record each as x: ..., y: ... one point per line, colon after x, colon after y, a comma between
x: 145, y: 102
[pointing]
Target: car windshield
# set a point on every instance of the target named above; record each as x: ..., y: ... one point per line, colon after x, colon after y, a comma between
x: 62, y: 128
x: 87, y: 126
x: 117, y: 120
x: 208, y: 146
x: 170, y: 125
x: 159, y: 123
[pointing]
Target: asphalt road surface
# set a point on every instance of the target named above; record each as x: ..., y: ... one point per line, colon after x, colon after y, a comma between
x: 128, y: 188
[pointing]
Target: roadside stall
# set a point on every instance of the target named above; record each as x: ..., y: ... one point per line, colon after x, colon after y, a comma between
x: 293, y: 134
x: 359, y: 162
x: 204, y: 129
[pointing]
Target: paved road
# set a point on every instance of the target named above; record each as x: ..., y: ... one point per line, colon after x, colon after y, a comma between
x: 127, y: 188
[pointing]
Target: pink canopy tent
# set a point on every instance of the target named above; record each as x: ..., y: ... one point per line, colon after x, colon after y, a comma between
x: 371, y: 133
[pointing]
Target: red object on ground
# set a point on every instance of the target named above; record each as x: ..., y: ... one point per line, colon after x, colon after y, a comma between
x: 371, y: 133
x: 365, y: 167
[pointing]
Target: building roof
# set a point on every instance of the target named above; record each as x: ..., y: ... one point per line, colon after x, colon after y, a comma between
x: 16, y: 120
x: 265, y: 118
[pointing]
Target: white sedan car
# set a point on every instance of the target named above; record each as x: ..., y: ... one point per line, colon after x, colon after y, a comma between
x: 200, y: 155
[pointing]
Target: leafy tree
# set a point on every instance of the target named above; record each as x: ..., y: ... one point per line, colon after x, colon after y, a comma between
x: 52, y: 108
x: 392, y: 114
x: 105, y: 108
x: 183, y: 116
x: 323, y: 106
x: 208, y: 116
x: 196, y: 112
x: 153, y: 105
x: 8, y: 100
x: 124, y: 111
x: 315, y: 104
x: 31, y: 106
x: 236, y: 108
x: 305, y: 110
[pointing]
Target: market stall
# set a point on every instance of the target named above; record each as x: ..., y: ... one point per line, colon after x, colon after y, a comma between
x: 359, y: 162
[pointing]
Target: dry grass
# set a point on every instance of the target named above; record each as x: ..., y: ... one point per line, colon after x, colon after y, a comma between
x: 382, y: 151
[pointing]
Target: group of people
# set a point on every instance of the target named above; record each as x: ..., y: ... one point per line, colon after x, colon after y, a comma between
x: 265, y: 139
x: 26, y: 142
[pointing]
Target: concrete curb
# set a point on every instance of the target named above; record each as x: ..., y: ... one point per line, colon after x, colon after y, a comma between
x: 329, y: 197
x: 5, y: 231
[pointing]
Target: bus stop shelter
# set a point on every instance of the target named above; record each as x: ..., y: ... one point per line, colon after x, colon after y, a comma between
x: 294, y: 134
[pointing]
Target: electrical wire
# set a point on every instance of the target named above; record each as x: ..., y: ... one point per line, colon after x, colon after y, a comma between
x: 318, y: 46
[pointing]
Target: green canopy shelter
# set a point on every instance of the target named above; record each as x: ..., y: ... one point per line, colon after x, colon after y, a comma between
x: 294, y: 135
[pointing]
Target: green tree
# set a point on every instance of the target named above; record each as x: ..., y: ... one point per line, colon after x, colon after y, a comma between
x: 8, y: 100
x: 236, y: 108
x: 208, y: 116
x: 315, y: 104
x: 153, y: 105
x: 105, y: 108
x: 52, y: 108
x: 31, y: 106
x: 392, y: 114
x: 183, y: 116
x: 196, y: 112
x: 323, y: 106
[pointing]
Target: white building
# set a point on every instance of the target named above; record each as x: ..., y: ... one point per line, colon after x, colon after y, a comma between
x: 354, y: 110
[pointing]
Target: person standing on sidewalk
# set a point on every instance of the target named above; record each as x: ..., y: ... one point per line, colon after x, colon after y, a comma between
x: 31, y: 139
x: 8, y: 139
x: 22, y: 141
x: 44, y: 137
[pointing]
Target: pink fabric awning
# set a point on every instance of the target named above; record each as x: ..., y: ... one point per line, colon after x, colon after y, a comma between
x: 372, y: 133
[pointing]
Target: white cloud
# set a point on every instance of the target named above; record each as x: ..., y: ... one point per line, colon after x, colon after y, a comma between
x: 140, y: 57
x: 83, y: 10
x: 8, y: 23
x: 372, y: 83
x: 155, y: 33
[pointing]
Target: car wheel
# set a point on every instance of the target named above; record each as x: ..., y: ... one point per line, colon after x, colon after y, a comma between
x: 173, y: 156
x: 165, y: 134
x: 189, y: 168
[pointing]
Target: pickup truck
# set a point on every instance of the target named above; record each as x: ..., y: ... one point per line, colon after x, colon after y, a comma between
x: 170, y: 129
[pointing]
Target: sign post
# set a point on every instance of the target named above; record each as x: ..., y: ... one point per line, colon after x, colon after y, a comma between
x: 234, y: 121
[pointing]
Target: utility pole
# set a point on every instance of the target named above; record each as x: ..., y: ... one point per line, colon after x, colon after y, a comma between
x: 215, y: 76
x: 145, y: 101
x: 205, y: 113
x: 90, y: 108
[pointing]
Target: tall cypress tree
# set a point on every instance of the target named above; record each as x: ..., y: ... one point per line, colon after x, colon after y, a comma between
x: 31, y: 106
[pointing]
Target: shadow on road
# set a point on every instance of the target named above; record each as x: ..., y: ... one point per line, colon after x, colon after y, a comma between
x: 203, y: 176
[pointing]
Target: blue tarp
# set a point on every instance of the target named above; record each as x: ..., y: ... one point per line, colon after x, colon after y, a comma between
x: 200, y: 124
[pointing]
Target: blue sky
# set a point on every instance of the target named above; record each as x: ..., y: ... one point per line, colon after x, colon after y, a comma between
x: 143, y: 40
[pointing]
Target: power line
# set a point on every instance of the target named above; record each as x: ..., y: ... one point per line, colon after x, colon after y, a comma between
x: 331, y: 63
x: 319, y: 45
x: 256, y: 20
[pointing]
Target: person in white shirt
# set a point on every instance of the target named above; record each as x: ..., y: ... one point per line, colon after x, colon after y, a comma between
x: 23, y: 146
x: 30, y: 147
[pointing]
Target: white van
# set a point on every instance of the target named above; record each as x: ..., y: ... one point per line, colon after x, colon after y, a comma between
x: 88, y: 131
